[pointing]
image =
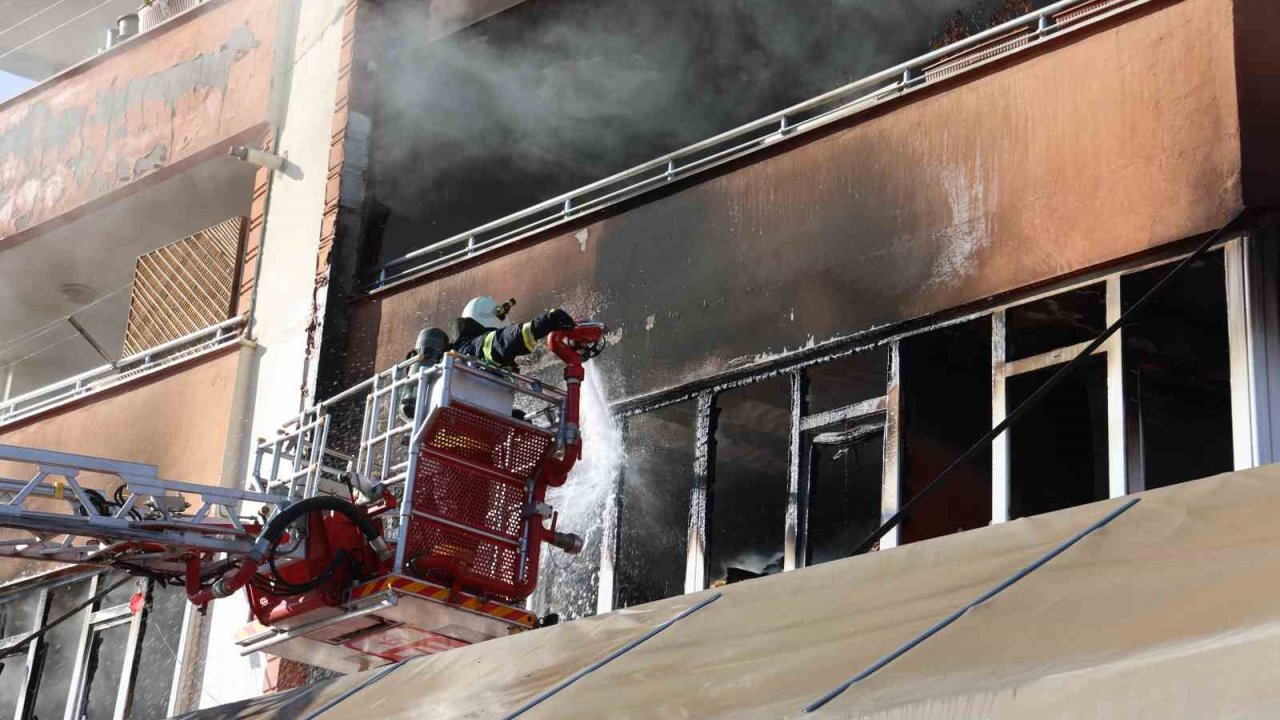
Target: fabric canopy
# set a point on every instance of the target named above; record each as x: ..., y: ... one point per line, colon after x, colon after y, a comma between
x: 1170, y: 611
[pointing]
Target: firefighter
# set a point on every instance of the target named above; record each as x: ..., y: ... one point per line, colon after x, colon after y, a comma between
x: 484, y: 332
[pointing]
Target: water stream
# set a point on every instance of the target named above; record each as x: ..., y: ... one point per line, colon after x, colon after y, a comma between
x: 569, y: 585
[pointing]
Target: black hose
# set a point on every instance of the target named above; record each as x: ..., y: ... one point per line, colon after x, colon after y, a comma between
x: 277, y: 526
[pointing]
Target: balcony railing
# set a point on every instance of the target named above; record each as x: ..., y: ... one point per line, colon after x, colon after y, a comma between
x: 1018, y: 34
x: 134, y: 366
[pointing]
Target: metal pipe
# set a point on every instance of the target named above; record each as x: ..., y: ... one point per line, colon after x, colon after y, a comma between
x: 611, y: 657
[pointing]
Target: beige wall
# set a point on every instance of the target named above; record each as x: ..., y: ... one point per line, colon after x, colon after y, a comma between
x: 176, y: 420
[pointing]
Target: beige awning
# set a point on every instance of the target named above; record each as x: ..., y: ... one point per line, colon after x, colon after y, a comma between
x: 1170, y: 611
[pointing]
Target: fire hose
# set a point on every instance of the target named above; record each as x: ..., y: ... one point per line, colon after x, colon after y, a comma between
x: 264, y: 549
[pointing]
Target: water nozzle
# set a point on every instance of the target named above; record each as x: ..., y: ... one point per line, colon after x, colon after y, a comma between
x: 567, y: 542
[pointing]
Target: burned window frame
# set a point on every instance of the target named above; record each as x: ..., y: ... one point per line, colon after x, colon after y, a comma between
x: 1252, y: 283
x: 802, y: 423
x: 97, y: 618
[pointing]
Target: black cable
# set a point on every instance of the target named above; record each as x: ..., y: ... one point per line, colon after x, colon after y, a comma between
x: 1044, y: 389
x: 7, y: 652
x: 274, y: 532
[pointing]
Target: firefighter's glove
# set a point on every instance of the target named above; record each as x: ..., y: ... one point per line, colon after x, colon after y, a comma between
x: 551, y: 321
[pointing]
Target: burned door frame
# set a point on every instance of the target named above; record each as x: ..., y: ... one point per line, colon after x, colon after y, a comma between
x: 881, y: 412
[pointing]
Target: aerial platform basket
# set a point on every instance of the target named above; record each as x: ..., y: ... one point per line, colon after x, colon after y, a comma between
x: 459, y: 456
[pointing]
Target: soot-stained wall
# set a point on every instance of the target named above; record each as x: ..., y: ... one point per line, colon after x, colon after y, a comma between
x: 1098, y: 149
x: 554, y: 94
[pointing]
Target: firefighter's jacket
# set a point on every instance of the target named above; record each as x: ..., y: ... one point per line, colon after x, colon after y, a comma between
x: 500, y: 347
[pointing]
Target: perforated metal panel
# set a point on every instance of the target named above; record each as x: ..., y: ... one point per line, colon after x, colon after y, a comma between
x: 500, y: 443
x: 476, y: 475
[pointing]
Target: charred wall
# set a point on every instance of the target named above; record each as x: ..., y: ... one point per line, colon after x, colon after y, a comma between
x: 1094, y: 150
x: 1258, y: 60
x: 551, y: 95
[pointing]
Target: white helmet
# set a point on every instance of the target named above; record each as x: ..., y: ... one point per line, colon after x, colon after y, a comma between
x: 486, y: 311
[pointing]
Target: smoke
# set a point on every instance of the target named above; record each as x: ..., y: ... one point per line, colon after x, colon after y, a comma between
x: 553, y: 94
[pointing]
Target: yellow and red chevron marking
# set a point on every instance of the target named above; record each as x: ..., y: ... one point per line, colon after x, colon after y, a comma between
x: 438, y: 593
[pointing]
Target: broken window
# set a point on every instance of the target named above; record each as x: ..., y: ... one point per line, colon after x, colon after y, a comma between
x: 657, y: 488
x: 1178, y: 375
x: 1058, y: 449
x: 57, y: 659
x: 747, y: 498
x: 1060, y: 321
x: 161, y: 633
x: 945, y: 405
x: 846, y: 474
x: 847, y: 380
x: 17, y: 618
x: 105, y: 670
x: 12, y: 671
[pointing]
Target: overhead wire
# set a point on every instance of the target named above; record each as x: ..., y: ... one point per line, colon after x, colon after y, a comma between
x: 6, y: 344
x: 31, y: 17
x: 55, y: 29
x: 50, y: 326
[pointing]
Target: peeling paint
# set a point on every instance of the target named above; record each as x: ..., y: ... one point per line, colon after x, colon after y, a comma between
x: 121, y: 118
x: 151, y: 160
x: 582, y: 237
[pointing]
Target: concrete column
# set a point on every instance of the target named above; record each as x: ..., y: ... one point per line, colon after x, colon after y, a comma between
x: 303, y: 103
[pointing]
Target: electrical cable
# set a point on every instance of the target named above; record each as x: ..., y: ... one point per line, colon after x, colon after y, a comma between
x: 1062, y: 374
x: 274, y: 532
x: 55, y: 29
x: 54, y: 324
x: 15, y: 649
x: 29, y: 18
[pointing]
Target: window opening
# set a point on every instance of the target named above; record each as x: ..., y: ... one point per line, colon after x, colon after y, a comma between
x: 17, y: 619
x: 105, y: 670
x: 747, y: 505
x: 848, y: 379
x: 57, y: 659
x: 13, y: 670
x: 1063, y: 320
x: 1178, y: 376
x: 945, y: 401
x: 1058, y: 450
x: 657, y: 489
x: 158, y: 657
x: 846, y: 476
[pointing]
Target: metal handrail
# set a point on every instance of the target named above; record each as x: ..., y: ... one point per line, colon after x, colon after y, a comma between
x: 795, y: 120
x: 105, y: 376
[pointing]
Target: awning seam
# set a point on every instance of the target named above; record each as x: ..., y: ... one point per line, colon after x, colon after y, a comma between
x: 611, y: 657
x: 917, y: 640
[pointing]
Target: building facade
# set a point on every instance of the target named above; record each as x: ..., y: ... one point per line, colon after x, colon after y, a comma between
x: 812, y: 315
